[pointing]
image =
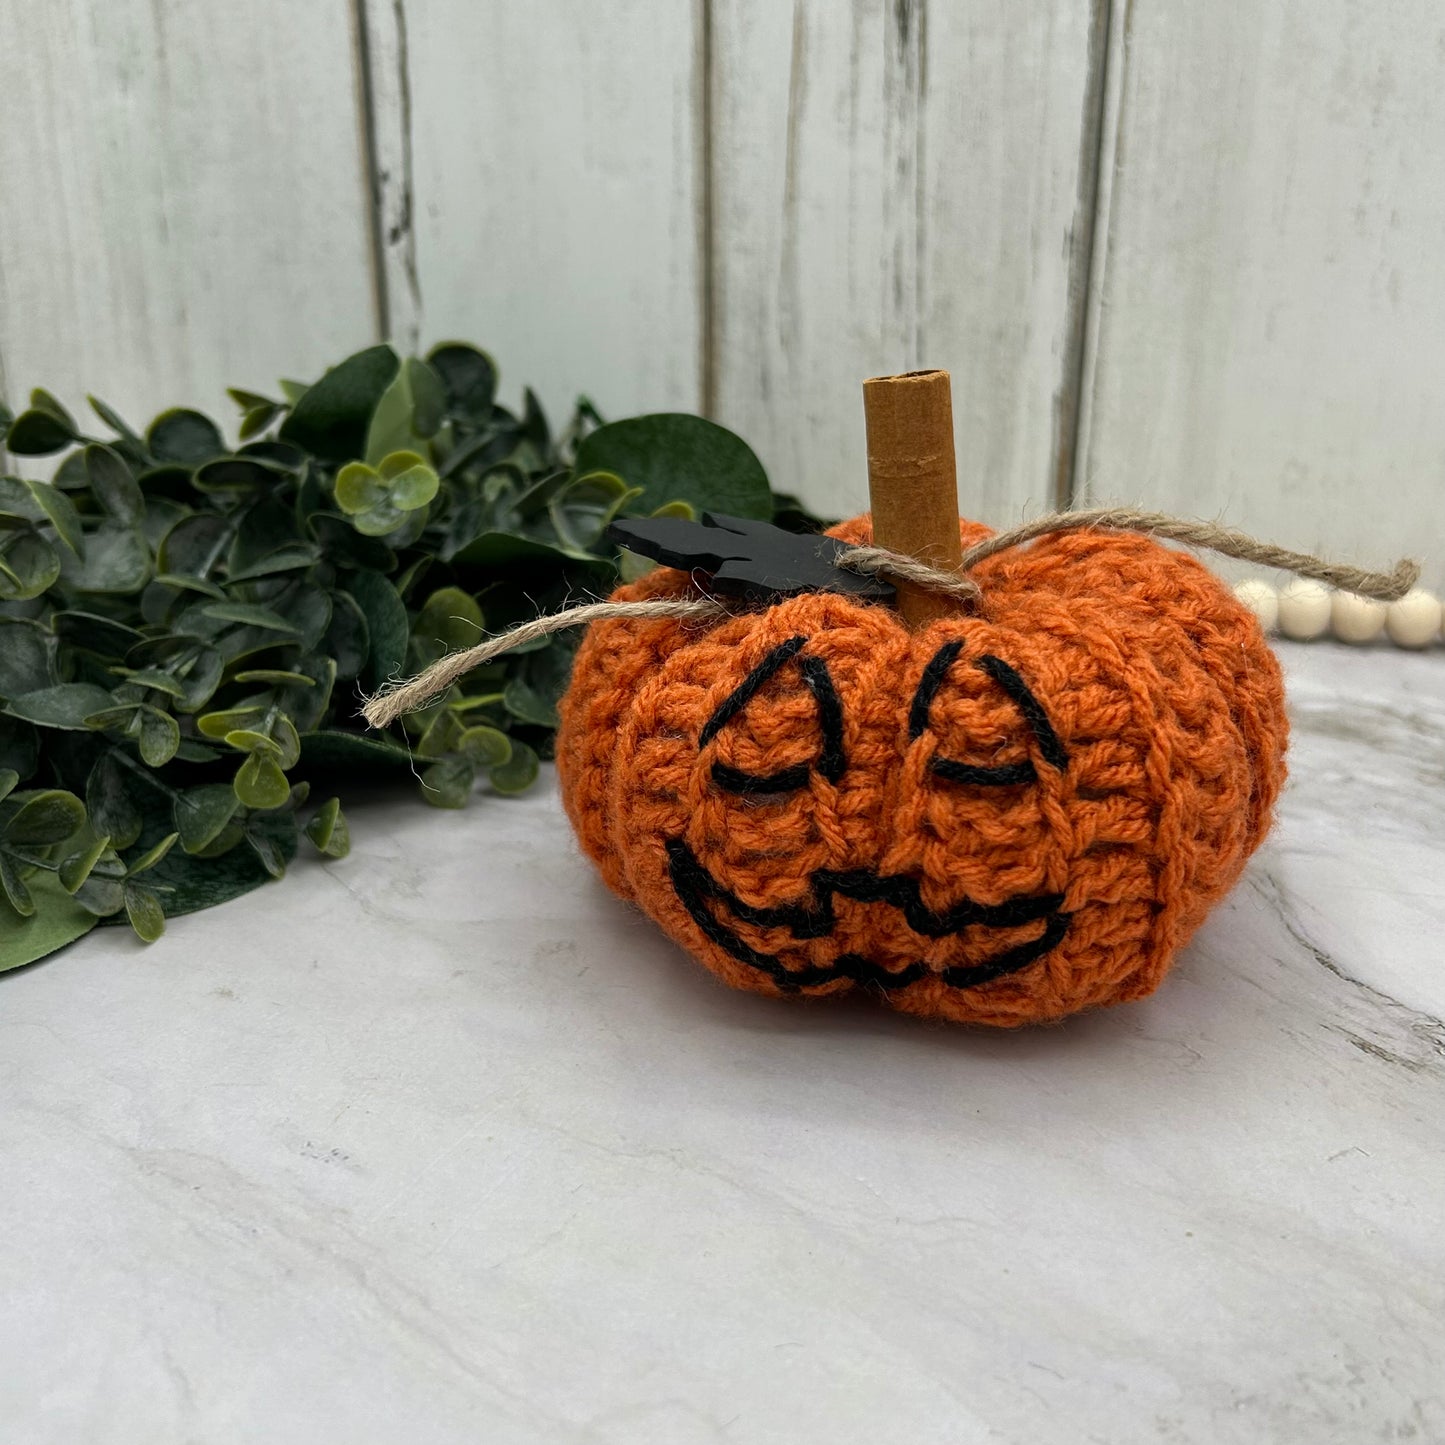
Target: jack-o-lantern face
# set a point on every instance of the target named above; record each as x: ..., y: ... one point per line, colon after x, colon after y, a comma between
x: 1000, y: 818
x: 727, y: 919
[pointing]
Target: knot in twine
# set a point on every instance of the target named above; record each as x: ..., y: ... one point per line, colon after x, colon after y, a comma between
x: 397, y: 699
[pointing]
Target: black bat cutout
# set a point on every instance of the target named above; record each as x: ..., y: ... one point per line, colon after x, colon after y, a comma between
x: 753, y: 560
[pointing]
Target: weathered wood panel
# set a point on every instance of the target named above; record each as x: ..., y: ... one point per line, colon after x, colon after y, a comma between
x: 184, y: 200
x: 539, y: 168
x: 898, y: 184
x: 1268, y: 322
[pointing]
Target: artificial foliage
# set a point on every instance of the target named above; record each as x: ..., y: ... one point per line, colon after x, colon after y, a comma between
x: 187, y: 627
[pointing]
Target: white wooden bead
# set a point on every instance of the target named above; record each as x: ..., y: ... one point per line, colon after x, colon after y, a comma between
x: 1356, y: 619
x: 1304, y: 609
x: 1414, y: 620
x: 1261, y: 599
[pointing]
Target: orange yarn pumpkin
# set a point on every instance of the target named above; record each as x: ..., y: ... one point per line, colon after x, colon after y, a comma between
x: 1000, y: 818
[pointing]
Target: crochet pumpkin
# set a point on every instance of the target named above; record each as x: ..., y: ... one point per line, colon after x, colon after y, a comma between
x: 999, y: 818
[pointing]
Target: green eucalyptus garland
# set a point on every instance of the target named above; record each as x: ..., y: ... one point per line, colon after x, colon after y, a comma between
x: 187, y: 628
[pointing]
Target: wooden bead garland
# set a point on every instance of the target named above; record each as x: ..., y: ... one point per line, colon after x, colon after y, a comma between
x: 1303, y: 611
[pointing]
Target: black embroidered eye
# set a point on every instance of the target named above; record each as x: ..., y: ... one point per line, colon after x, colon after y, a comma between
x: 1018, y: 692
x: 831, y: 761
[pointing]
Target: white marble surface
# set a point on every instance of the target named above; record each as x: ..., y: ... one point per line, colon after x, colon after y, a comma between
x: 442, y: 1144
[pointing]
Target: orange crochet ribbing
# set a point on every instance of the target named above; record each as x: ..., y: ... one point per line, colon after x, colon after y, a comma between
x: 1000, y: 818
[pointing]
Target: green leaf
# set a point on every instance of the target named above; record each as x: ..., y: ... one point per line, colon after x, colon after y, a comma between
x: 449, y: 619
x: 305, y: 704
x: 297, y: 557
x: 342, y: 545
x: 284, y: 733
x: 117, y: 561
x: 359, y: 488
x: 8, y: 780
x: 448, y: 784
x: 143, y: 909
x: 17, y: 503
x: 184, y: 436
x: 442, y: 734
x: 77, y: 868
x: 201, y: 676
x: 271, y: 674
x: 109, y: 804
x: 428, y: 397
x: 160, y: 736
x: 382, y: 520
x: 411, y: 483
x: 353, y: 754
x: 248, y: 740
x: 62, y: 514
x: 93, y: 632
x: 151, y: 856
x: 386, y: 624
x: 29, y: 565
x: 155, y: 680
x: 56, y: 921
x: 534, y: 420
x: 526, y: 704
x: 676, y: 457
x: 228, y: 837
x: 232, y: 719
x: 518, y: 773
x: 44, y: 818
x: 201, y: 813
x: 348, y: 638
x: 120, y: 716
x: 468, y: 378
x: 506, y: 554
x: 331, y: 417
x: 24, y: 657
x: 12, y: 885
x: 250, y: 613
x: 43, y: 400
x: 581, y: 510
x: 193, y: 546
x: 101, y: 896
x: 66, y: 705
x: 485, y: 747
x: 113, y: 419
x: 113, y: 485
x: 239, y: 475
x: 248, y: 399
x: 268, y: 851
x: 306, y: 608
x: 258, y: 418
x: 328, y: 831
x: 409, y: 411
x: 37, y: 433
x: 168, y: 483
x: 260, y: 783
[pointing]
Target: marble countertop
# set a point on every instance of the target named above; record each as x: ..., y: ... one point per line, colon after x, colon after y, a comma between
x: 441, y: 1143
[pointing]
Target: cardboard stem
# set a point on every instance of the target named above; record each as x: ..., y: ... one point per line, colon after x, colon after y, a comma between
x: 913, y: 480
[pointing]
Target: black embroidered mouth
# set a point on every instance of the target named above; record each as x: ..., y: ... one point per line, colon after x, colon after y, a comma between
x: 697, y: 888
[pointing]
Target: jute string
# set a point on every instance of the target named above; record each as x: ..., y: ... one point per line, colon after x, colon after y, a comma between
x: 396, y: 699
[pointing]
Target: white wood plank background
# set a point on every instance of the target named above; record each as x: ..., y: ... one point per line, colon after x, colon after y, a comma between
x: 551, y: 159
x: 1268, y: 328
x: 183, y: 204
x: 1196, y: 247
x: 899, y: 185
